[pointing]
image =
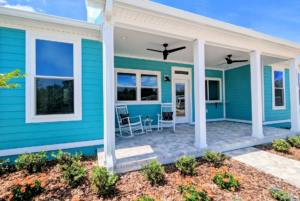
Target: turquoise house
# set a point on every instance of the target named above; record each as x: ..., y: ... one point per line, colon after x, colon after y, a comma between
x: 78, y: 71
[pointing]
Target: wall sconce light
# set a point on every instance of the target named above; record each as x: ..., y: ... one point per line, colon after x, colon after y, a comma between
x: 166, y: 77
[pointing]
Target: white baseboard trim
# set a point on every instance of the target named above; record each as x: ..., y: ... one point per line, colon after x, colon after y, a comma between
x: 52, y: 147
x: 276, y: 122
x: 239, y: 120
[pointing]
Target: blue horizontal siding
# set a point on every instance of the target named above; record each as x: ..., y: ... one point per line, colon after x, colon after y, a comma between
x: 270, y: 114
x: 15, y: 132
x: 238, y: 93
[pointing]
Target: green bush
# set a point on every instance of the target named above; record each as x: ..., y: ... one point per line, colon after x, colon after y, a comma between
x: 4, y: 165
x: 65, y: 159
x: 153, y: 171
x: 186, y: 164
x: 32, y: 162
x: 103, y: 181
x: 26, y: 190
x: 190, y: 193
x: 235, y: 199
x: 281, y: 145
x: 281, y: 195
x: 225, y: 180
x: 215, y: 158
x: 74, y: 173
x: 294, y: 141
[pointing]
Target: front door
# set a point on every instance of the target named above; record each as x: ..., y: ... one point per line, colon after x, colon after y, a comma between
x: 181, y: 100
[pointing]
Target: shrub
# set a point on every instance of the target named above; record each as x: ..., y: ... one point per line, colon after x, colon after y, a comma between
x: 64, y: 159
x: 74, y: 173
x: 215, y: 158
x: 102, y: 181
x: 186, y: 164
x: 4, y: 165
x: 190, y: 193
x: 294, y: 141
x: 27, y: 189
x: 153, y: 171
x: 281, y: 145
x: 225, y: 180
x: 281, y: 195
x: 235, y: 199
x: 32, y: 162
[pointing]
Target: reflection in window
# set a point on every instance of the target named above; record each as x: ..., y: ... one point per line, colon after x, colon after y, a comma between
x: 278, y: 88
x: 126, y: 79
x: 54, y: 58
x: 212, y: 90
x: 149, y: 89
x: 126, y: 94
x: 54, y: 96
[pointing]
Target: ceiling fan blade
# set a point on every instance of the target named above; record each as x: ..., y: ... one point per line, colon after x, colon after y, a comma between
x: 235, y: 61
x: 155, y: 50
x: 228, y: 60
x: 176, y: 49
x: 165, y: 56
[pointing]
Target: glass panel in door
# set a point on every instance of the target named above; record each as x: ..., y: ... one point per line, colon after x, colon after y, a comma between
x: 180, y: 99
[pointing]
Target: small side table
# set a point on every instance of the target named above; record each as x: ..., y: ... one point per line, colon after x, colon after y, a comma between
x: 148, y: 127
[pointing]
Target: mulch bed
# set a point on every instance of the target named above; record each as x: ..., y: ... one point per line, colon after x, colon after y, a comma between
x: 130, y: 185
x: 293, y: 153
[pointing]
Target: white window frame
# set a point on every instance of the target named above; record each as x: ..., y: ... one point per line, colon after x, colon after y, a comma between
x: 273, y: 89
x: 207, y: 89
x: 31, y: 36
x: 138, y: 86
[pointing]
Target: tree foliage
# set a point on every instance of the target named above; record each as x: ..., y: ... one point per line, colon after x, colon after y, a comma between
x: 6, y: 77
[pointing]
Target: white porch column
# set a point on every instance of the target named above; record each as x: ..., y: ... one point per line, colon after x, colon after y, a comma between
x: 256, y: 98
x: 200, y: 105
x: 294, y: 95
x: 108, y: 88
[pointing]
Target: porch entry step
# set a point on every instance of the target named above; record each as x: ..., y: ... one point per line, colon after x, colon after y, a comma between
x: 166, y: 146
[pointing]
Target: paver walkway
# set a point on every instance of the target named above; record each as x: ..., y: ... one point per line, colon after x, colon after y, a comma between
x: 278, y: 166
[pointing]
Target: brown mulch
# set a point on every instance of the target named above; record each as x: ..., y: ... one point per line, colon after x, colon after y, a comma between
x: 254, y: 186
x: 293, y: 153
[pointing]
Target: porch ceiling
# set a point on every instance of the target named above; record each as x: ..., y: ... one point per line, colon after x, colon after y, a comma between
x: 132, y: 43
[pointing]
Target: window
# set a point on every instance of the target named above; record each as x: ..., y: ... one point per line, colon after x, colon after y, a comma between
x: 137, y: 86
x: 213, y: 89
x: 181, y: 72
x: 278, y: 87
x: 54, y: 89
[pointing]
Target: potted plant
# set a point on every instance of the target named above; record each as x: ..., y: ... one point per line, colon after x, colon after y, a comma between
x: 147, y: 117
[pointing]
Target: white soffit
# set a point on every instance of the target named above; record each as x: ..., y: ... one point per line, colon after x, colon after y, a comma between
x: 23, y: 19
x: 134, y: 44
x: 158, y: 14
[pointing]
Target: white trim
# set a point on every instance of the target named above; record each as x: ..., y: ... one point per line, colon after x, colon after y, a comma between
x: 52, y: 147
x: 263, y: 90
x: 31, y: 37
x: 188, y: 78
x: 239, y: 120
x: 224, y: 99
x: 276, y: 122
x: 207, y: 89
x: 273, y: 89
x: 138, y: 86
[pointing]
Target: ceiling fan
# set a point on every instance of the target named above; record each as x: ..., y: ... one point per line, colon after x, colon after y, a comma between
x: 166, y: 52
x: 230, y: 61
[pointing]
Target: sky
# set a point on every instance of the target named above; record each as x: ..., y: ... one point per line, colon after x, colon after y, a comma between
x: 277, y: 18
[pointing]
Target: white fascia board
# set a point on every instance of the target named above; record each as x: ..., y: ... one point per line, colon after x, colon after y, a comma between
x: 47, y: 18
x: 194, y: 18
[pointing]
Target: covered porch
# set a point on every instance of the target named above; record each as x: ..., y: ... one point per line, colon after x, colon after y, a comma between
x: 166, y: 146
x: 235, y: 61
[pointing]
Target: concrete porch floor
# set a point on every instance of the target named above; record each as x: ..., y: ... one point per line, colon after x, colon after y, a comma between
x: 166, y: 146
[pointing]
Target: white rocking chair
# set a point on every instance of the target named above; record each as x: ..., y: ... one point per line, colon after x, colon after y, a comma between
x: 131, y: 127
x: 166, y: 107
